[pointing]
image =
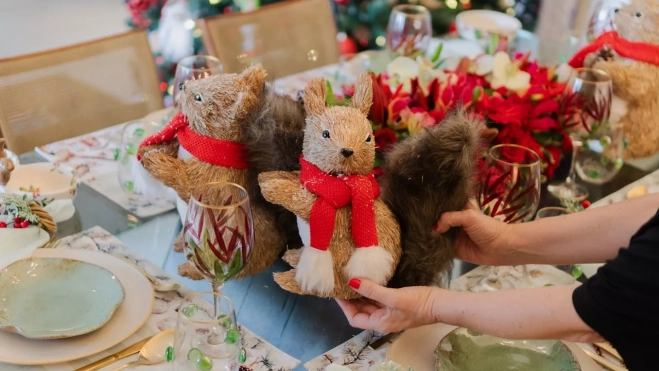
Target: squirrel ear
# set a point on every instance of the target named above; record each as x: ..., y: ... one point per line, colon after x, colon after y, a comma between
x: 363, y: 97
x: 254, y: 78
x: 315, y: 94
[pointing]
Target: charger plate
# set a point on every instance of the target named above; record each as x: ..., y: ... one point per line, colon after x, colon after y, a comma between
x: 416, y: 348
x: 128, y: 318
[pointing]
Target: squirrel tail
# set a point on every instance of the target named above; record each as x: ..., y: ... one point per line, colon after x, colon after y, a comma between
x: 424, y: 177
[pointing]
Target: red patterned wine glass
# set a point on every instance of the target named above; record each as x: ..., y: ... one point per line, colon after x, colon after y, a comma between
x: 218, y: 231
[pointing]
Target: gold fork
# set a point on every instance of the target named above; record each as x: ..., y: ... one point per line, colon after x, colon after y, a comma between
x: 51, y: 244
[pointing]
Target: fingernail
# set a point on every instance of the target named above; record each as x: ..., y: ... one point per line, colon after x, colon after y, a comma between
x: 355, y: 283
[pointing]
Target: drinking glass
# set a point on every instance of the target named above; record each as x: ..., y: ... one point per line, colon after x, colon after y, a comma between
x: 218, y: 231
x: 129, y: 168
x: 585, y: 111
x: 409, y: 31
x: 549, y: 212
x: 204, y: 341
x: 509, y: 187
x: 194, y: 68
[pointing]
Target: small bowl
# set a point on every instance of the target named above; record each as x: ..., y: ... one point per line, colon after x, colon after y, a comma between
x: 479, y: 25
x: 41, y: 182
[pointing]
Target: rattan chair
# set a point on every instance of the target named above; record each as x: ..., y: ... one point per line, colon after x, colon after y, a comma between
x: 63, y: 93
x: 286, y: 38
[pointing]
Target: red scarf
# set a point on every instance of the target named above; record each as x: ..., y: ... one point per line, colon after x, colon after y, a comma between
x: 642, y: 52
x: 213, y: 151
x: 337, y: 192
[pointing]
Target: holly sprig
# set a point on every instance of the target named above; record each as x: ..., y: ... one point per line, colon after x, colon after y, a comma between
x: 16, y: 207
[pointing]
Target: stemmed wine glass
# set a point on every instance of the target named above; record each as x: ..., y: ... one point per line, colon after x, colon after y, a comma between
x: 585, y: 111
x: 194, y: 67
x: 409, y: 31
x: 218, y: 231
x: 509, y: 190
x: 550, y: 212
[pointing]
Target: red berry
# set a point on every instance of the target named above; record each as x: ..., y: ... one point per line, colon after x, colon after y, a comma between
x: 17, y: 220
x: 25, y: 224
x: 585, y: 204
x: 3, y: 225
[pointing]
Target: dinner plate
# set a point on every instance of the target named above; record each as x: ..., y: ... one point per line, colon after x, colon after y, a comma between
x: 57, y: 298
x: 416, y: 348
x: 128, y: 318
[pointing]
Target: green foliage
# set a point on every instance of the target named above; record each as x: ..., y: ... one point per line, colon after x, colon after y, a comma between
x: 16, y: 207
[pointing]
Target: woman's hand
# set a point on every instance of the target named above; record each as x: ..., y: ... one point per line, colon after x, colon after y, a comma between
x: 481, y: 239
x: 390, y: 310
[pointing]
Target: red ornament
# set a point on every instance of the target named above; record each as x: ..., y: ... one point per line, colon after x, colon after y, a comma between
x: 3, y: 225
x: 25, y: 224
x: 585, y: 204
x: 347, y: 46
x: 163, y: 86
x: 452, y: 28
x: 342, y: 2
x: 227, y: 10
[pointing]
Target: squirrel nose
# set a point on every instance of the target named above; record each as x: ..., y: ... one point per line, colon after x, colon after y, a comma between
x: 346, y: 152
x: 617, y: 10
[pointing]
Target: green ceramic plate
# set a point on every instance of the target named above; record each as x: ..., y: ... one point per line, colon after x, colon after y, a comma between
x: 466, y: 350
x: 54, y: 298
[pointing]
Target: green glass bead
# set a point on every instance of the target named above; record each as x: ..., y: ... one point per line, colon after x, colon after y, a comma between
x: 595, y: 174
x: 232, y: 336
x: 242, y: 356
x: 194, y: 355
x: 549, y: 285
x: 139, y: 133
x: 577, y: 271
x: 131, y: 148
x: 190, y: 310
x: 605, y: 140
x: 125, y: 160
x: 129, y: 186
x: 225, y: 321
x: 204, y: 363
x: 619, y: 163
x: 169, y: 354
x: 116, y: 154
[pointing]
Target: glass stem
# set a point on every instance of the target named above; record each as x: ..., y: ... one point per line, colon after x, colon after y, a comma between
x: 217, y: 288
x: 572, y: 175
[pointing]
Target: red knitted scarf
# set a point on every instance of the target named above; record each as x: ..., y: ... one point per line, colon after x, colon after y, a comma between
x: 642, y: 52
x: 213, y: 151
x: 337, y: 192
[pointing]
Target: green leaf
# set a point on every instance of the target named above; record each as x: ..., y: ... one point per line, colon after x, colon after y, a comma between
x: 219, y: 273
x: 439, y: 63
x: 494, y: 43
x: 236, y: 264
x: 330, y: 99
x: 437, y: 53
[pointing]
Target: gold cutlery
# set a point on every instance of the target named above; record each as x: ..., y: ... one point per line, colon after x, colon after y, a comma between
x: 51, y: 244
x: 154, y: 351
x: 603, y: 361
x: 133, y: 349
x: 609, y: 349
x: 379, y: 343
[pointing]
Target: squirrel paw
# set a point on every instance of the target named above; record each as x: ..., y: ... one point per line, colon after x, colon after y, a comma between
x: 315, y: 271
x: 292, y: 257
x: 374, y: 263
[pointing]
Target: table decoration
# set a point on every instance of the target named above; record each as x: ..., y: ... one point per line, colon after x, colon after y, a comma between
x: 486, y: 26
x: 261, y: 355
x: 54, y: 298
x: 630, y: 56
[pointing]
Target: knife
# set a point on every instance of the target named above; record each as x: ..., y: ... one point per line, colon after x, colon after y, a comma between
x: 133, y: 349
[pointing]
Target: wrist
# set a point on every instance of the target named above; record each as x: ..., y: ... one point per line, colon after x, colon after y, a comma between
x: 443, y: 301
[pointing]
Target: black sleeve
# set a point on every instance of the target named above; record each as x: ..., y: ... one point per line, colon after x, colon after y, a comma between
x: 621, y: 302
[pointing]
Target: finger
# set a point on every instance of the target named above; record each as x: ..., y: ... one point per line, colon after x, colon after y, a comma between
x: 348, y: 308
x: 372, y: 290
x: 452, y: 219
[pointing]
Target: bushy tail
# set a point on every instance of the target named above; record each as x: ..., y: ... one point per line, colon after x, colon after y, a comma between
x: 425, y: 176
x: 273, y: 134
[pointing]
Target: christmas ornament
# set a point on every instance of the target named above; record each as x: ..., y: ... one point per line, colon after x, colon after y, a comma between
x: 347, y: 45
x: 174, y: 35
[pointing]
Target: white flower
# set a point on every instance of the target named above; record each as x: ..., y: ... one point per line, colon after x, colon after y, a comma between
x: 401, y: 71
x: 427, y: 73
x: 563, y: 72
x: 484, y: 64
x: 506, y: 73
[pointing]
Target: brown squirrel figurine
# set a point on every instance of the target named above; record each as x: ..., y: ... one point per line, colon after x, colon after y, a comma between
x: 6, y: 164
x: 424, y: 176
x: 203, y: 144
x: 630, y: 55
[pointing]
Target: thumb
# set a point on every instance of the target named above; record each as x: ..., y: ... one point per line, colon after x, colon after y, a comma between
x: 452, y: 219
x: 372, y: 290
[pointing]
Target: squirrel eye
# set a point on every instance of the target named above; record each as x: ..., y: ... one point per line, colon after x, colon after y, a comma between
x: 368, y: 139
x: 197, y: 97
x: 638, y: 14
x: 325, y: 134
x: 180, y: 86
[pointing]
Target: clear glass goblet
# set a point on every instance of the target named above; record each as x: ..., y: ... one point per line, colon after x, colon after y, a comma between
x: 194, y: 67
x: 409, y: 31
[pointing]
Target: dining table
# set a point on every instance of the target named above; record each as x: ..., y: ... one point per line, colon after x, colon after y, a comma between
x: 304, y: 327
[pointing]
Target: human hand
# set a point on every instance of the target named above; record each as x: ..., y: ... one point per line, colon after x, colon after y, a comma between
x: 480, y: 239
x: 389, y: 310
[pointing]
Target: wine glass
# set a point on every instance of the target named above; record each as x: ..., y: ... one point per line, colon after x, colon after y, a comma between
x: 409, y: 31
x: 509, y: 190
x: 218, y: 231
x: 203, y: 340
x: 585, y: 111
x: 194, y: 67
x: 549, y: 212
x: 601, y: 155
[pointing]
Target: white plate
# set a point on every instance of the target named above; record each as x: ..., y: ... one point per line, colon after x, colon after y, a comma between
x: 416, y: 349
x: 129, y: 317
x: 61, y: 210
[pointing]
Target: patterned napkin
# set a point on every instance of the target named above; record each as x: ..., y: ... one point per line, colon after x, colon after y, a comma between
x: 92, y: 157
x: 261, y: 355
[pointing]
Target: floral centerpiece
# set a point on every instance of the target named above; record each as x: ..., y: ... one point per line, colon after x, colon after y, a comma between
x: 519, y: 99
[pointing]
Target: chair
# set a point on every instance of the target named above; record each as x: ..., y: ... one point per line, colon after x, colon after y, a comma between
x: 67, y: 92
x: 286, y: 38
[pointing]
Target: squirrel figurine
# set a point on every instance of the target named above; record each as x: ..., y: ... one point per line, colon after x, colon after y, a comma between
x: 203, y: 143
x: 6, y: 164
x: 630, y: 55
x: 353, y: 226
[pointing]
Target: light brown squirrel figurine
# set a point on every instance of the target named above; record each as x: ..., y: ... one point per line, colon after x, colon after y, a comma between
x: 6, y: 164
x: 335, y: 195
x: 634, y: 81
x: 203, y: 144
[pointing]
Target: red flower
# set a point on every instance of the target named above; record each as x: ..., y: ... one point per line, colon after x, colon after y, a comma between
x: 377, y: 171
x: 378, y: 112
x: 384, y: 139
